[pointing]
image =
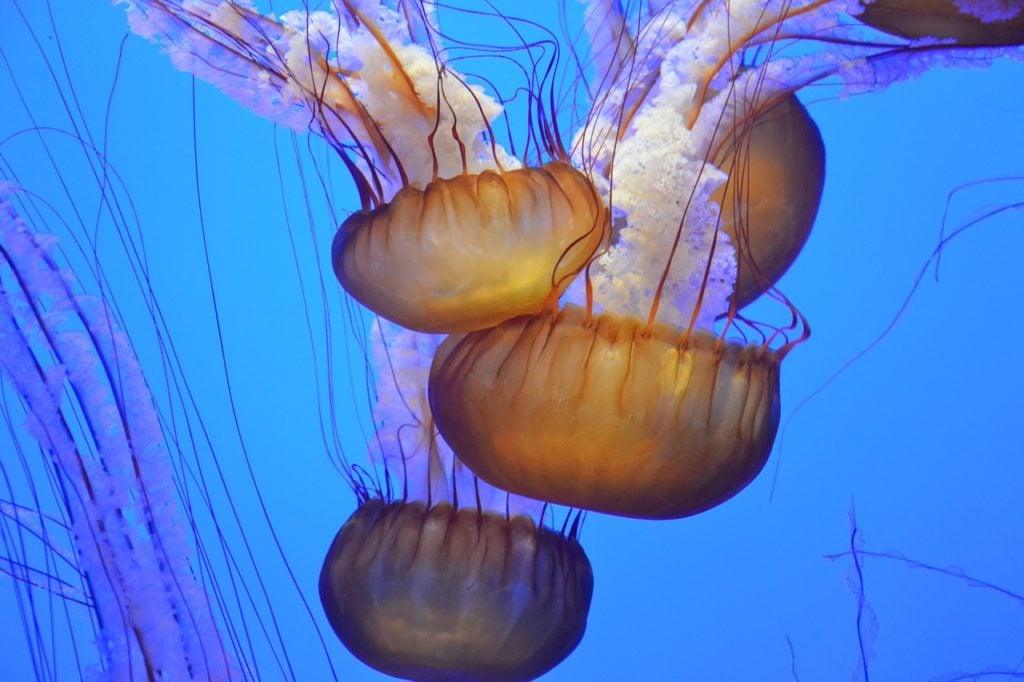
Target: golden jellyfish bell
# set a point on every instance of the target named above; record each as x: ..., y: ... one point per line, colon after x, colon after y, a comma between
x: 471, y: 251
x: 775, y: 158
x: 942, y: 19
x: 597, y: 414
x: 438, y: 594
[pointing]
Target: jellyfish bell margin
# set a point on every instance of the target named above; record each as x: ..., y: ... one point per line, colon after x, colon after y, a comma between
x: 968, y: 23
x: 435, y: 593
x: 600, y: 414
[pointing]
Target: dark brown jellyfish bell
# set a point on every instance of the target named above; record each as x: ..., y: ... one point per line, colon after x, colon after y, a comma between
x: 468, y: 252
x: 597, y: 414
x: 775, y: 159
x: 943, y: 19
x: 438, y: 594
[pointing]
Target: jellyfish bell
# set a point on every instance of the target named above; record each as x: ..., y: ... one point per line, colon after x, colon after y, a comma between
x: 435, y: 593
x: 967, y: 22
x: 775, y: 159
x: 471, y: 251
x: 653, y: 425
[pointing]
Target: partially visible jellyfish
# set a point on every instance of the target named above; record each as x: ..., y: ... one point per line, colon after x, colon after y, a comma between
x: 776, y: 161
x: 967, y: 22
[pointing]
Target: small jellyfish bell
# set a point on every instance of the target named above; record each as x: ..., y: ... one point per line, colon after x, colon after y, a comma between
x: 775, y: 159
x: 446, y: 578
x: 978, y: 23
x: 471, y: 251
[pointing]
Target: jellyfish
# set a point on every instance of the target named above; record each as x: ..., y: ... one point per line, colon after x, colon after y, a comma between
x: 967, y: 22
x: 91, y: 412
x: 632, y: 404
x: 446, y: 577
x: 770, y: 207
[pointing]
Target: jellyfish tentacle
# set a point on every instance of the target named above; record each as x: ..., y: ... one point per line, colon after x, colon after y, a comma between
x: 134, y: 538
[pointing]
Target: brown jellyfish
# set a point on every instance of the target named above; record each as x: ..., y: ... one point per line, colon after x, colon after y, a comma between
x: 473, y: 250
x: 949, y: 19
x: 775, y: 158
x: 603, y: 413
x: 454, y: 233
x: 446, y: 577
x: 435, y: 593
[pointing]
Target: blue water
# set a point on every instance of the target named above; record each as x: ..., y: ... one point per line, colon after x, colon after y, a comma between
x: 921, y: 436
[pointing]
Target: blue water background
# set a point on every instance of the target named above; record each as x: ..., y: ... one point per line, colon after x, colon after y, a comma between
x: 923, y: 434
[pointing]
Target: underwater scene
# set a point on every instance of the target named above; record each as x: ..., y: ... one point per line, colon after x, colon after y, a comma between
x: 492, y: 340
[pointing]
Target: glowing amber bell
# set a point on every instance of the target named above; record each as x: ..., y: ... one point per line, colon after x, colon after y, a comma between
x: 598, y: 416
x: 439, y: 594
x: 468, y: 252
x: 941, y: 19
x: 776, y: 164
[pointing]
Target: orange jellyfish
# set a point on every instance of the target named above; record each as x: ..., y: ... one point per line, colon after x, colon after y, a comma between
x: 446, y: 578
x: 967, y: 22
x: 775, y: 159
x: 635, y: 404
x: 471, y: 251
